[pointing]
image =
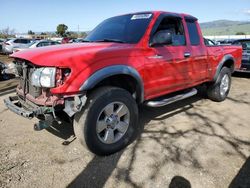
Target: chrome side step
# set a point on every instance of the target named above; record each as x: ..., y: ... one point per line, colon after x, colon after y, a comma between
x: 173, y: 99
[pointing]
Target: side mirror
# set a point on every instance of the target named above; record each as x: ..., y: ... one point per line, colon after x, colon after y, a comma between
x: 162, y: 37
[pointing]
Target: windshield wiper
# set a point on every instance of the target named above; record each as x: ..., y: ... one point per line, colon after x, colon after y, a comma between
x: 110, y: 40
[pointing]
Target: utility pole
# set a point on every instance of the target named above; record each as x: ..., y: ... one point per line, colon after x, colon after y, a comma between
x: 78, y: 30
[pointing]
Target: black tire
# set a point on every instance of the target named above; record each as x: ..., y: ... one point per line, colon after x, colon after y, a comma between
x: 214, y: 90
x: 85, y: 122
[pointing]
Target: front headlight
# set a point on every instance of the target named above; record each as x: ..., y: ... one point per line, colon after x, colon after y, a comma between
x: 44, y: 77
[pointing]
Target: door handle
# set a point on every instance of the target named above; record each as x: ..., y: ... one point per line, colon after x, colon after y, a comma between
x: 157, y: 56
x: 187, y: 54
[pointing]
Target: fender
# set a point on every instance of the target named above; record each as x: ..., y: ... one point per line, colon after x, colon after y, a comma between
x: 106, y: 72
x: 222, y: 63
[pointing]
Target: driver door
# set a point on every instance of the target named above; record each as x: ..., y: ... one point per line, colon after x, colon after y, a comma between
x: 167, y: 67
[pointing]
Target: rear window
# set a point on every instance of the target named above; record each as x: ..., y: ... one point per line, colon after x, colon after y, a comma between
x: 193, y: 33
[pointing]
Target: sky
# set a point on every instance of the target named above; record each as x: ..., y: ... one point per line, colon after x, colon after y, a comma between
x: 45, y: 15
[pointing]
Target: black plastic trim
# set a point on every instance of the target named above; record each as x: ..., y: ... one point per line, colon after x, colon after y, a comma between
x: 222, y: 63
x: 106, y: 72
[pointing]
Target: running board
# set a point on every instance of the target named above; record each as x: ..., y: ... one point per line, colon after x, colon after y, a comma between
x: 173, y: 99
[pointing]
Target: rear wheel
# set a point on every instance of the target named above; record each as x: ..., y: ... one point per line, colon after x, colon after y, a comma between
x: 219, y: 90
x: 108, y: 123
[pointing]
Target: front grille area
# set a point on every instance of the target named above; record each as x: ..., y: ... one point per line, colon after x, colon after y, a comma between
x: 25, y: 70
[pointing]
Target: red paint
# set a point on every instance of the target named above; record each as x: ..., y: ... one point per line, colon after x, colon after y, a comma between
x: 160, y: 76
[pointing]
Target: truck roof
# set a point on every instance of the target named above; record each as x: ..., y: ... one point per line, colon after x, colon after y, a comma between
x: 165, y: 12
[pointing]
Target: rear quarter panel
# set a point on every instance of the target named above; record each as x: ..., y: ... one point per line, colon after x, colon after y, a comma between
x: 216, y: 54
x: 236, y: 52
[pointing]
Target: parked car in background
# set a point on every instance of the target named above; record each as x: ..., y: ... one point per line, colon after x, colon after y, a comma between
x: 245, y: 43
x: 78, y: 40
x: 225, y: 42
x: 36, y: 44
x: 209, y: 42
x: 8, y: 45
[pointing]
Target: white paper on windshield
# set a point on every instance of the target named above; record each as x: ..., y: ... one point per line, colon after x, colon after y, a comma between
x: 141, y: 16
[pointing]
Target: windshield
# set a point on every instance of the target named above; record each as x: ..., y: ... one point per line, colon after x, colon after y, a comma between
x: 123, y: 29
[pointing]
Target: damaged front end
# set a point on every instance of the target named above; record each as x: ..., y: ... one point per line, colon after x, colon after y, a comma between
x: 34, y: 99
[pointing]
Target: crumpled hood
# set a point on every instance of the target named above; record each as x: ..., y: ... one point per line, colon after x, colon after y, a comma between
x: 60, y: 55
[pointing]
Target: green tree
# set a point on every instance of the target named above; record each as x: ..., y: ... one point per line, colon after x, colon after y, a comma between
x: 62, y: 30
x: 43, y: 33
x: 30, y: 32
x: 240, y: 33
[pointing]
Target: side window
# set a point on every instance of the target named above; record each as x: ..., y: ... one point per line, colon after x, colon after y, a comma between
x: 193, y: 33
x: 24, y: 41
x: 41, y: 44
x: 175, y: 27
x: 17, y: 41
x: 27, y: 41
x: 46, y: 44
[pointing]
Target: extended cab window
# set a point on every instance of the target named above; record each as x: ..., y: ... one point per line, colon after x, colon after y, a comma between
x: 175, y: 27
x: 193, y: 32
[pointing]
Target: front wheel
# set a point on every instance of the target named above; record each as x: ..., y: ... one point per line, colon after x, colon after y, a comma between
x: 108, y: 122
x: 219, y: 90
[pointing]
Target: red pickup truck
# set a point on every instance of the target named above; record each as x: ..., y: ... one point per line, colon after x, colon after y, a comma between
x: 151, y: 58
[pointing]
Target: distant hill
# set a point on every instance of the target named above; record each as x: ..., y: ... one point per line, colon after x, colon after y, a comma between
x: 225, y: 27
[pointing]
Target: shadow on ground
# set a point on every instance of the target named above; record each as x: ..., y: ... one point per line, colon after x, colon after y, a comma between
x: 241, y: 75
x: 179, y: 182
x: 100, y: 169
x: 64, y: 130
x: 7, y: 83
x: 242, y: 179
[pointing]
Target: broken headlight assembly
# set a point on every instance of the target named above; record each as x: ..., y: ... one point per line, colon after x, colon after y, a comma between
x: 44, y: 77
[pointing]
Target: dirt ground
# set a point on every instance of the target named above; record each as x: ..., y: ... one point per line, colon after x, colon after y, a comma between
x: 193, y: 143
x: 10, y: 83
x: 5, y: 59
